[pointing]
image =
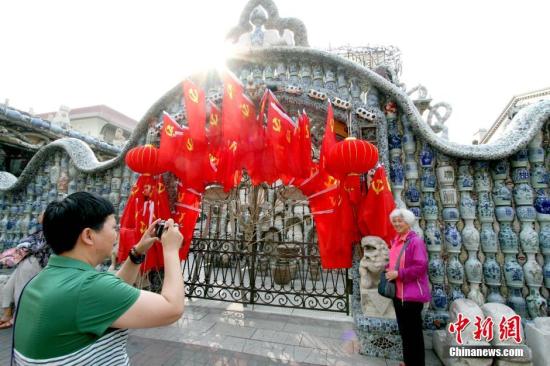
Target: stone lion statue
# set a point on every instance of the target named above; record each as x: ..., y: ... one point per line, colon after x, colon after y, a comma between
x: 375, y: 258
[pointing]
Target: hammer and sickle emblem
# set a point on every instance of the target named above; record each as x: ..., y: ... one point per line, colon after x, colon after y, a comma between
x: 160, y: 187
x: 331, y: 124
x: 213, y: 119
x: 245, y: 110
x: 213, y: 159
x: 194, y: 95
x: 288, y: 136
x: 189, y: 144
x: 135, y: 190
x: 378, y: 186
x: 142, y: 227
x: 233, y: 146
x: 276, y: 124
x: 180, y: 218
x: 170, y: 130
x: 330, y: 181
x: 230, y: 90
x: 307, y: 131
x: 181, y: 195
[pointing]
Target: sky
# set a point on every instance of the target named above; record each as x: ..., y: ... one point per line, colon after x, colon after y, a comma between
x: 475, y: 55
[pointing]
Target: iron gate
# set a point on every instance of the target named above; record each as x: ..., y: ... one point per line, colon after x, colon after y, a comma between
x: 259, y: 246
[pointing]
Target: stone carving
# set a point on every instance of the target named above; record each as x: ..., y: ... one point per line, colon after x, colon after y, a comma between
x: 374, y: 261
x: 262, y: 37
x: 443, y: 339
x: 538, y: 338
x: 497, y: 312
x: 119, y: 140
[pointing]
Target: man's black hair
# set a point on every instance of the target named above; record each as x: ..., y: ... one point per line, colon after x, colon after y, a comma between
x: 64, y: 220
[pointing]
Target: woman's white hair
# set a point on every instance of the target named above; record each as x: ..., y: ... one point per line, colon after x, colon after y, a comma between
x: 407, y: 215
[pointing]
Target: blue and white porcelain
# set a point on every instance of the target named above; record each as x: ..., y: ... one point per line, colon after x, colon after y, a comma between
x: 507, y: 238
x: 536, y: 304
x: 465, y: 180
x: 491, y: 270
x: 412, y: 195
x: 517, y: 302
x: 532, y: 271
x: 432, y: 236
x: 467, y: 206
x: 494, y: 295
x: 502, y: 195
x: 539, y: 176
x: 426, y: 156
x: 523, y: 194
x: 473, y: 268
x: 455, y: 270
x: 428, y: 180
x: 520, y: 159
x: 504, y: 213
x: 436, y: 268
x: 500, y: 169
x: 488, y: 238
x: 429, y: 207
x: 397, y: 176
x: 513, y: 273
x: 485, y: 207
x: 439, y: 298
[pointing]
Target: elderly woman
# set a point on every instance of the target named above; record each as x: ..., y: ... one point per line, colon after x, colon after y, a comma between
x: 412, y: 289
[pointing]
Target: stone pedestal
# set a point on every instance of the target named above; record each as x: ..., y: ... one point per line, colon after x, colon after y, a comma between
x: 538, y: 339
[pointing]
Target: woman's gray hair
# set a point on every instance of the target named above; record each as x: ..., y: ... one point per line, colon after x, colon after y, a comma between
x: 407, y: 215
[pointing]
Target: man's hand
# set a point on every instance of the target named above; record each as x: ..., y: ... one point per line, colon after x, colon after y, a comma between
x: 171, y: 237
x: 147, y: 239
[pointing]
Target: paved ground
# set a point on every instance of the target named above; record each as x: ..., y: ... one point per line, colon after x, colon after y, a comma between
x: 225, y: 334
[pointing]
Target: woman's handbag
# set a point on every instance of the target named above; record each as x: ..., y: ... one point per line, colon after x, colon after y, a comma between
x: 387, y: 288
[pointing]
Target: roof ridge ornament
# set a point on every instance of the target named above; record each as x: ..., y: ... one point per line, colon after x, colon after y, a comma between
x: 260, y: 26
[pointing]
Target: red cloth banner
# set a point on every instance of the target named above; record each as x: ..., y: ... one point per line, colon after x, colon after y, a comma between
x: 376, y: 206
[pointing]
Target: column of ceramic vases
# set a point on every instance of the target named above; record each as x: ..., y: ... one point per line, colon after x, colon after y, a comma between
x: 55, y: 172
x: 116, y: 182
x: 63, y: 179
x: 529, y: 238
x: 453, y: 240
x: 470, y: 234
x: 355, y: 91
x: 317, y: 77
x: 342, y: 83
x: 13, y: 221
x: 4, y: 222
x: 432, y: 232
x: 330, y: 78
x: 305, y: 74
x: 508, y: 239
x: 72, y: 187
x: 293, y: 77
x: 412, y: 195
x: 394, y: 144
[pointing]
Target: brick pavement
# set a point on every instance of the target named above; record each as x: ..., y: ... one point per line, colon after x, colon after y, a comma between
x: 223, y: 334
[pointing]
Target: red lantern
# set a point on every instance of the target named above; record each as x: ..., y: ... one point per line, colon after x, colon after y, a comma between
x: 352, y: 156
x: 143, y: 159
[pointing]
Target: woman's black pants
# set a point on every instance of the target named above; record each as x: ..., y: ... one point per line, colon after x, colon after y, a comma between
x: 409, y: 321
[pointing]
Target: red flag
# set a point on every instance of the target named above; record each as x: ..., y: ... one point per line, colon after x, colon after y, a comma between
x: 376, y: 206
x: 305, y: 145
x: 147, y: 202
x: 171, y: 137
x: 329, y: 139
x: 235, y: 114
x: 280, y: 133
x: 187, y: 213
x: 214, y: 143
x: 232, y: 114
x: 196, y: 111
